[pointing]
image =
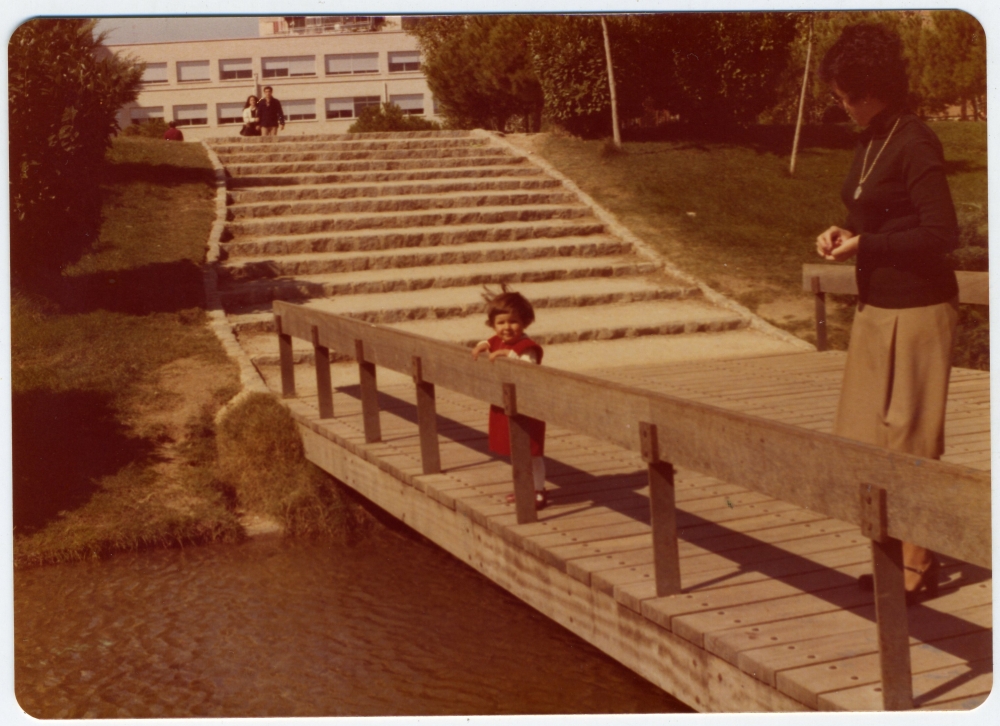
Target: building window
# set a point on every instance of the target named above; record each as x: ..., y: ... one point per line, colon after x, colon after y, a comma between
x: 350, y: 107
x: 155, y: 73
x: 232, y: 69
x: 301, y: 110
x: 347, y: 63
x: 404, y: 60
x: 142, y: 115
x: 193, y: 71
x: 191, y: 115
x: 411, y: 103
x: 339, y: 108
x: 229, y: 113
x: 289, y: 66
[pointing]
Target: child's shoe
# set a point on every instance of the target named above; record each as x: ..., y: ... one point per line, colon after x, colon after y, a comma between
x: 541, y: 500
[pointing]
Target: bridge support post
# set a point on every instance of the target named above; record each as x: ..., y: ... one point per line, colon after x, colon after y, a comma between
x: 430, y: 453
x: 520, y: 458
x: 890, y: 601
x: 369, y: 395
x: 817, y: 289
x: 287, y: 363
x: 663, y: 513
x: 324, y: 388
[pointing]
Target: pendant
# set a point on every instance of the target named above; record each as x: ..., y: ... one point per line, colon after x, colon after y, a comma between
x: 857, y: 192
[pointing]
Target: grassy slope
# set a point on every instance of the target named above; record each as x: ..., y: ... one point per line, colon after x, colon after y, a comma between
x: 730, y: 213
x: 86, y: 368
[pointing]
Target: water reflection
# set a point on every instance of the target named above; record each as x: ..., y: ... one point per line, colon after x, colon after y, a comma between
x: 391, y: 626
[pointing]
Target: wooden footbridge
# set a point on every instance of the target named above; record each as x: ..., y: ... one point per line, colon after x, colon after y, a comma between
x: 704, y: 529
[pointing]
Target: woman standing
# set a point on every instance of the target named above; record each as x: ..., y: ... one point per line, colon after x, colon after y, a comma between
x: 250, y: 127
x: 900, y: 225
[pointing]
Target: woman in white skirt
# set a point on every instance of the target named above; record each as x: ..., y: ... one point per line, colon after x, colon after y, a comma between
x: 900, y: 226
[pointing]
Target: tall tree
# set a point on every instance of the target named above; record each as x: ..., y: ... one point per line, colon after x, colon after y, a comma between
x: 478, y: 69
x: 65, y: 89
x: 952, y: 70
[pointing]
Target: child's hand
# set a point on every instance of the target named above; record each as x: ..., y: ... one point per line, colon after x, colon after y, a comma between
x: 502, y: 353
x: 481, y: 347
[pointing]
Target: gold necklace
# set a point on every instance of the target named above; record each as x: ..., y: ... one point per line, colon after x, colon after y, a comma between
x: 864, y: 162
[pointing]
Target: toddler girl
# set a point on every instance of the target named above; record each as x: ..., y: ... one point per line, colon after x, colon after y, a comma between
x: 509, y: 313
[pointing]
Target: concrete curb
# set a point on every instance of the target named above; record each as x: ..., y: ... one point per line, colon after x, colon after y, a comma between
x: 250, y: 378
x: 642, y: 248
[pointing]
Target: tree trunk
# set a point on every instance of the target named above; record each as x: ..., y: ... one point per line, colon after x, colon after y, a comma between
x: 611, y: 84
x: 802, y: 100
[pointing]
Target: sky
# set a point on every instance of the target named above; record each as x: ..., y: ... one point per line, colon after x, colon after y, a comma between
x: 153, y: 30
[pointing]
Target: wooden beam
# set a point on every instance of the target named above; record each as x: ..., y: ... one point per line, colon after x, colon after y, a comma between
x: 944, y: 507
x: 820, y: 297
x: 520, y: 458
x: 890, y: 601
x: 430, y: 452
x: 973, y: 287
x: 663, y: 514
x: 369, y: 395
x: 324, y: 387
x: 285, y: 357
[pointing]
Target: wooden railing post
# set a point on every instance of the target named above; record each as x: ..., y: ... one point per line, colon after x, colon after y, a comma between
x: 663, y: 513
x: 369, y: 395
x: 890, y: 602
x: 817, y: 289
x: 520, y: 458
x: 287, y: 363
x: 324, y: 388
x: 430, y: 453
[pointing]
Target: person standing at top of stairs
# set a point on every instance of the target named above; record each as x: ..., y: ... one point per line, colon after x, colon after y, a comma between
x: 270, y: 115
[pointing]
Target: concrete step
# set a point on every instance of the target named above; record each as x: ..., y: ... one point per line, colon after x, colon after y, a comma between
x: 268, y: 156
x: 515, y: 169
x: 552, y: 328
x: 327, y: 167
x: 429, y: 236
x: 327, y: 138
x: 439, y: 303
x: 239, y: 147
x: 242, y: 269
x: 237, y: 295
x: 406, y: 203
x: 307, y: 224
x: 387, y: 189
x: 597, y: 322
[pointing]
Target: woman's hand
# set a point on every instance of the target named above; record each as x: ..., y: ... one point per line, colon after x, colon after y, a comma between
x: 837, y: 244
x: 481, y: 347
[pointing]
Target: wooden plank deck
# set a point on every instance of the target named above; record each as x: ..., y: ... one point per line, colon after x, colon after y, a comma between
x: 770, y: 604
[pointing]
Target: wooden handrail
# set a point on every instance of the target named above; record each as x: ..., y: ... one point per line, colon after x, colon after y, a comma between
x: 973, y: 289
x: 941, y: 506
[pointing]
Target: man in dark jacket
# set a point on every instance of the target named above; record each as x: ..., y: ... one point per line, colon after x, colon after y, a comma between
x: 270, y: 113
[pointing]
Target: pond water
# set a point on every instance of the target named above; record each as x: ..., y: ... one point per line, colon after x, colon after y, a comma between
x: 392, y: 625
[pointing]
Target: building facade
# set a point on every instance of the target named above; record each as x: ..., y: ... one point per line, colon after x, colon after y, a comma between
x: 324, y: 70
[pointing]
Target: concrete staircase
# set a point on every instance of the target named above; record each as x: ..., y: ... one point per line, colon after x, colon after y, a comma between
x: 405, y: 229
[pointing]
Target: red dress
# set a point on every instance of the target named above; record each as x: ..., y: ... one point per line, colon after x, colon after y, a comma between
x: 499, y: 424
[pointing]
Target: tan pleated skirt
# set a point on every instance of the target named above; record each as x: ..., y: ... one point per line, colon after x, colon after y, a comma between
x: 896, y: 379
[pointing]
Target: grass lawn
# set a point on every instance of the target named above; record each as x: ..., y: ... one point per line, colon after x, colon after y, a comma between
x: 730, y: 213
x: 116, y: 377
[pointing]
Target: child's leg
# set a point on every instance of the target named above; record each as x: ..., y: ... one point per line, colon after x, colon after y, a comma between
x: 538, y: 472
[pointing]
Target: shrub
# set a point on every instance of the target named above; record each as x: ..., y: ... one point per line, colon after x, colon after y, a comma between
x: 65, y: 89
x: 152, y: 129
x: 390, y: 117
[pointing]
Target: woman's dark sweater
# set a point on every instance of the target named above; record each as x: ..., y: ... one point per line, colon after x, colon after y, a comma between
x: 904, y: 215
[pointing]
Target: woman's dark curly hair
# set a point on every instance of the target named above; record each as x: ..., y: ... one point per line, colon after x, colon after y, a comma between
x: 867, y: 60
